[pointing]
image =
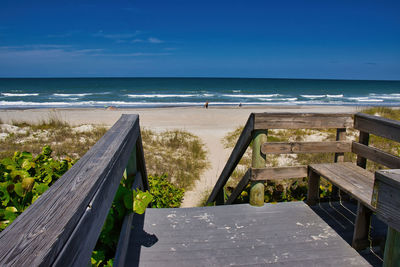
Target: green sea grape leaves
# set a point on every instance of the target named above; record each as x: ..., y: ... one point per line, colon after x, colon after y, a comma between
x: 23, y: 178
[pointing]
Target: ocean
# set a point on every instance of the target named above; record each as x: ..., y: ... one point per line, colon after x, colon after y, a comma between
x: 170, y: 92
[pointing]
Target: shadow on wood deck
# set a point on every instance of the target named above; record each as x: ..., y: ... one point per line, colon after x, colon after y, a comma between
x: 287, y: 234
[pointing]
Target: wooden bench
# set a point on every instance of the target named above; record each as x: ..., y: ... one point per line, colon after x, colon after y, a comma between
x: 354, y: 179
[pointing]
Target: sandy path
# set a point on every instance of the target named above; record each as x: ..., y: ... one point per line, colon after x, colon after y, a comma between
x: 210, y: 125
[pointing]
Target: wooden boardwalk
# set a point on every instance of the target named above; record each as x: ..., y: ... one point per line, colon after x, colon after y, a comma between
x: 284, y: 234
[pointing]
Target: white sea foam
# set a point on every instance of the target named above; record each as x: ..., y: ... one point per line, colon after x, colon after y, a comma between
x: 67, y: 95
x: 313, y: 96
x: 19, y: 94
x: 365, y: 99
x: 250, y: 96
x: 279, y: 99
x: 159, y: 95
x: 334, y: 96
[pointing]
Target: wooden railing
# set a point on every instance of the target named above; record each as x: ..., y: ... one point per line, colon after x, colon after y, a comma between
x: 386, y: 198
x: 61, y: 227
x: 265, y: 121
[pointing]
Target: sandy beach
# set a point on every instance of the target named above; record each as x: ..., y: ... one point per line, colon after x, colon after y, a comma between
x: 211, y: 125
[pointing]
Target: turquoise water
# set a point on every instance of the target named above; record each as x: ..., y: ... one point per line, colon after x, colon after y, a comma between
x: 161, y: 92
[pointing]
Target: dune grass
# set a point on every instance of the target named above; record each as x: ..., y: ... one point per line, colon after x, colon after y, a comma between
x: 65, y: 140
x: 177, y: 153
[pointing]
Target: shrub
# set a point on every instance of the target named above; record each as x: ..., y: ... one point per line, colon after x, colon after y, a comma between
x: 165, y: 194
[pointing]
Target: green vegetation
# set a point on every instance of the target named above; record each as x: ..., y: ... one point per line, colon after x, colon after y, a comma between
x: 23, y: 178
x: 165, y: 194
x: 177, y: 153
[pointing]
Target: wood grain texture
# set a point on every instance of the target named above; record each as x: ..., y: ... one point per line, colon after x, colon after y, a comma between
x: 305, y: 147
x: 278, y: 173
x: 340, y: 136
x: 376, y: 155
x: 388, y: 200
x: 361, y: 227
x: 237, y: 153
x: 378, y: 126
x: 302, y: 120
x: 239, y: 187
x: 364, y: 140
x: 282, y: 234
x: 354, y: 180
x: 62, y: 226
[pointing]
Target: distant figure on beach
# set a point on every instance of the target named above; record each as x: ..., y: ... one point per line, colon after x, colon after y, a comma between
x: 240, y: 105
x: 206, y: 104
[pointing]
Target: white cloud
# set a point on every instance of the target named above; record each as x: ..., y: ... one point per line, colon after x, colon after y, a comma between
x: 154, y: 40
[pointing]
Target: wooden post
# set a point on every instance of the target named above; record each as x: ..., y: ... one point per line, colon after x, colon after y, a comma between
x: 363, y: 139
x: 386, y: 197
x: 313, y: 187
x: 361, y: 227
x: 339, y: 157
x: 392, y: 248
x: 258, y: 161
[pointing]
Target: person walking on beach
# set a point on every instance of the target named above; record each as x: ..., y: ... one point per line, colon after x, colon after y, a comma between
x: 206, y: 104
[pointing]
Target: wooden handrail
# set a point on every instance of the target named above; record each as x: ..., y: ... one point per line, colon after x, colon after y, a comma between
x: 383, y: 127
x: 234, y: 158
x: 265, y: 121
x: 62, y: 226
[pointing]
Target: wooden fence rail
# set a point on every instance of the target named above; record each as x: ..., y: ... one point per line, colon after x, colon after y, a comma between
x: 63, y: 225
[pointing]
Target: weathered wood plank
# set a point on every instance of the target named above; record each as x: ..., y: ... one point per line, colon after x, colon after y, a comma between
x: 376, y: 155
x: 354, y: 180
x: 305, y: 147
x: 239, y: 187
x: 387, y: 183
x: 378, y: 126
x: 284, y: 234
x: 278, y: 173
x: 234, y: 158
x: 301, y: 120
x: 67, y: 219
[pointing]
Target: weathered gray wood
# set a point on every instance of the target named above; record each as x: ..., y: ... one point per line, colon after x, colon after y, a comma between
x: 392, y: 249
x: 239, y: 187
x: 284, y: 234
x: 376, y: 155
x: 62, y: 226
x: 361, y: 227
x: 301, y: 120
x: 124, y: 236
x: 340, y: 136
x: 387, y: 185
x: 364, y: 140
x: 305, y: 147
x: 278, y: 173
x: 377, y: 125
x: 313, y: 187
x: 234, y: 158
x: 258, y: 161
x: 354, y: 180
x: 141, y: 163
x: 387, y: 190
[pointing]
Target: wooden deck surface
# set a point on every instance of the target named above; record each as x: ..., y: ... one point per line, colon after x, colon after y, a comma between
x: 284, y: 234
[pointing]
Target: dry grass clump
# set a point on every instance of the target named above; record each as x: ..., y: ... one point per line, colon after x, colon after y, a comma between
x: 177, y: 153
x: 64, y: 139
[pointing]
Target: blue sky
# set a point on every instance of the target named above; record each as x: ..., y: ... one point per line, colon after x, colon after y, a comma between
x: 272, y: 39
